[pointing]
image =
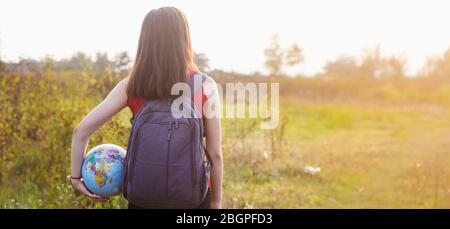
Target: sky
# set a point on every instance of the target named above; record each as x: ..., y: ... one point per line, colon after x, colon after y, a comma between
x: 232, y: 33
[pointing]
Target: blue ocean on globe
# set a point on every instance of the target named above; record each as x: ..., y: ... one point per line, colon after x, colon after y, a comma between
x: 102, y: 169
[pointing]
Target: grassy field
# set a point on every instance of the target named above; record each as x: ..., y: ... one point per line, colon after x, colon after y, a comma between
x: 372, y: 153
x: 371, y: 156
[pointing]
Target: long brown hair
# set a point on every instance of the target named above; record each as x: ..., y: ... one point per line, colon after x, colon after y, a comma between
x: 164, y: 55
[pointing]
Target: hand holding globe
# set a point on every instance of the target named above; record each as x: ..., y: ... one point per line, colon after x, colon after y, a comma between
x: 79, y: 186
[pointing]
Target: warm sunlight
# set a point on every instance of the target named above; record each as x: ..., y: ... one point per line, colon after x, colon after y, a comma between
x: 232, y: 33
x: 225, y: 104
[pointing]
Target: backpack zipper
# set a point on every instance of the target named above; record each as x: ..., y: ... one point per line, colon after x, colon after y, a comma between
x: 193, y: 161
x: 169, y: 137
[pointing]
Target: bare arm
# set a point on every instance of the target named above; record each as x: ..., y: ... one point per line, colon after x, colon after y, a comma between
x: 111, y: 105
x: 213, y: 142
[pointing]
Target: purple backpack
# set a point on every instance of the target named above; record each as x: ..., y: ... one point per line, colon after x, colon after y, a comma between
x: 164, y: 164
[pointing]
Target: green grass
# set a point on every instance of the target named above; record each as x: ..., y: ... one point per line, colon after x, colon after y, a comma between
x: 371, y: 157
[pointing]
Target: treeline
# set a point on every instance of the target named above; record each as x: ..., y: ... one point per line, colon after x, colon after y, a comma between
x: 373, y: 65
x: 371, y: 77
x: 81, y: 62
x: 78, y: 62
x: 101, y: 67
x: 370, y: 65
x: 406, y: 90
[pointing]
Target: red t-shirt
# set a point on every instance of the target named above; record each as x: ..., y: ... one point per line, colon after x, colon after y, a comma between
x: 135, y: 103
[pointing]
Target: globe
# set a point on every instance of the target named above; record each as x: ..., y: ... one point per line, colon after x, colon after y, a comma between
x: 102, y: 169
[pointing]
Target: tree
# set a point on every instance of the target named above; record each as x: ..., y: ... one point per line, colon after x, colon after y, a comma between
x: 122, y: 62
x: 371, y: 63
x: 274, y: 56
x: 48, y: 65
x: 395, y: 67
x: 202, y: 61
x: 277, y: 57
x: 374, y: 65
x: 439, y: 66
x: 294, y: 55
x: 2, y: 66
x: 102, y: 64
x: 343, y: 66
x: 78, y: 62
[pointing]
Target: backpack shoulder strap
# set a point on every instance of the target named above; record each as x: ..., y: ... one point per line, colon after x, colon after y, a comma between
x: 196, y: 83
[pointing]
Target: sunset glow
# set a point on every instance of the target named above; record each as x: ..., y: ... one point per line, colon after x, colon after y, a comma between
x: 233, y: 34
